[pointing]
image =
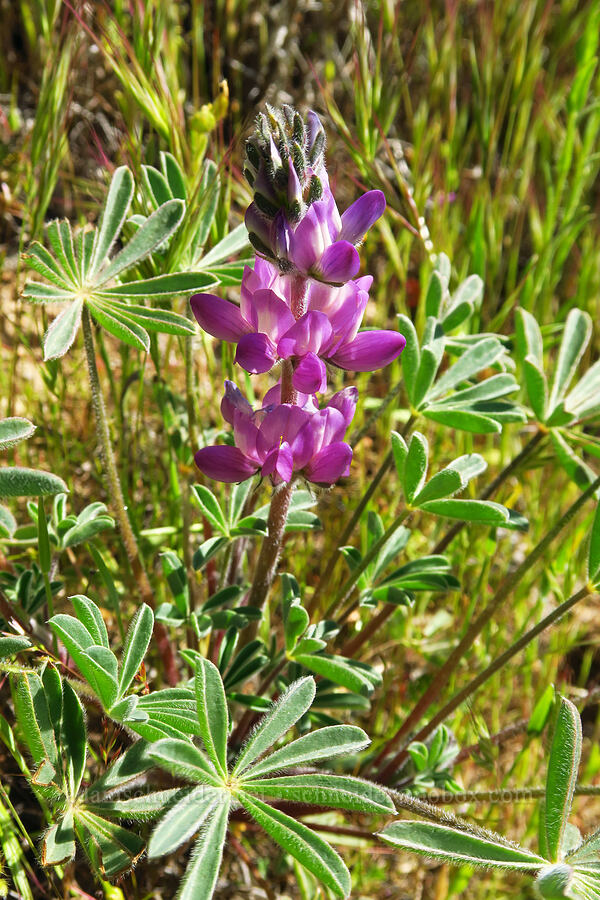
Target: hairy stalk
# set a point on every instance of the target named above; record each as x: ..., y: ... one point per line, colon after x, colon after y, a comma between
x: 118, y: 502
x: 505, y: 795
x: 473, y: 631
x: 373, y: 626
x: 270, y: 551
x: 354, y: 520
x: 497, y: 664
x: 348, y: 586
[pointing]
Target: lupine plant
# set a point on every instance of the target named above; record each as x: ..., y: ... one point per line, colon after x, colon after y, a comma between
x: 240, y: 721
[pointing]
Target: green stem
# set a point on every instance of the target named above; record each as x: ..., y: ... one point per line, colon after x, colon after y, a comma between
x: 118, y: 501
x: 498, y: 663
x: 473, y: 631
x: 354, y: 520
x: 348, y: 586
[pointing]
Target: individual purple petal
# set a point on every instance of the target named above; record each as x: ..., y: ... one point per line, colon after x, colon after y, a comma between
x: 369, y: 350
x: 347, y: 318
x: 345, y: 401
x: 310, y: 334
x: 245, y: 433
x: 303, y: 444
x: 307, y: 241
x: 282, y: 424
x: 256, y: 353
x: 339, y: 263
x: 329, y: 464
x: 359, y: 217
x: 310, y: 375
x: 219, y: 317
x: 233, y: 400
x: 279, y: 462
x: 224, y: 464
x: 271, y: 315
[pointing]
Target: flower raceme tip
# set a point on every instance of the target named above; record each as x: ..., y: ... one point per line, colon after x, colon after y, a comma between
x: 280, y: 440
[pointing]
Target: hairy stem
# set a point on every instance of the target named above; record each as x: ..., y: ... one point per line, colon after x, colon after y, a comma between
x: 473, y: 631
x: 118, y: 502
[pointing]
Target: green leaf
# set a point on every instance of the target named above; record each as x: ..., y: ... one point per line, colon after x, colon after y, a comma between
x: 480, y: 356
x: 210, y: 507
x: 302, y: 843
x: 537, y: 389
x: 124, y: 771
x: 429, y: 362
x: 13, y: 430
x: 203, y: 868
x: 541, y: 711
x: 73, y: 738
x: 140, y: 809
x: 576, y: 336
x: 342, y: 671
x: 116, y: 205
x: 324, y: 743
x: 8, y: 523
x: 45, y: 293
x: 99, y: 665
x: 85, y: 531
x: 72, y: 633
x: 594, y: 551
x: 136, y: 645
x: 176, y: 575
x: 43, y: 539
x: 62, y: 331
x: 483, y: 511
x: 529, y: 338
x: 156, y: 229
x: 184, y: 819
x: 213, y: 717
x: 458, y: 847
x: 182, y: 758
x: 583, y: 401
x: 173, y: 174
x: 462, y: 419
x: 442, y: 484
x: 157, y: 185
x: 411, y: 355
x: 285, y: 712
x: 59, y: 842
x: 207, y: 550
x: 13, y: 643
x: 35, y: 721
x: 435, y: 293
x: 415, y: 466
x: 230, y: 245
x: 19, y: 482
x: 118, y: 848
x: 577, y: 470
x: 168, y: 285
x: 89, y: 615
x: 563, y: 766
x: 338, y: 791
x: 121, y: 326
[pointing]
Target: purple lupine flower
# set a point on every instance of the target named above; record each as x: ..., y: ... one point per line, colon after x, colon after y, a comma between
x: 280, y: 440
x: 293, y: 219
x: 265, y: 330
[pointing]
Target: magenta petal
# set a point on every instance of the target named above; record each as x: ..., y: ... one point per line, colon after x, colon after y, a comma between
x: 224, y: 463
x: 233, y: 400
x: 339, y: 263
x: 359, y: 217
x: 310, y: 334
x: 310, y: 375
x: 219, y: 317
x: 279, y: 462
x: 345, y: 401
x: 369, y: 350
x: 256, y: 353
x: 271, y: 315
x: 330, y: 464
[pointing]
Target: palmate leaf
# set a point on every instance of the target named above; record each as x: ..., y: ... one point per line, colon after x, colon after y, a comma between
x: 290, y: 707
x: 14, y: 430
x: 302, y: 843
x: 460, y: 847
x: 563, y: 766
